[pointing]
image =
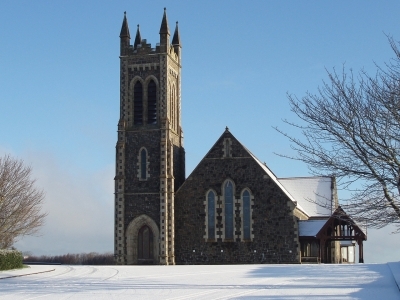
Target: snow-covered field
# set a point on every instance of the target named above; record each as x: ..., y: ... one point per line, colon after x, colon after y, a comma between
x: 360, y: 281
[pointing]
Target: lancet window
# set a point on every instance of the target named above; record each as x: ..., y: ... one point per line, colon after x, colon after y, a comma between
x: 229, y: 210
x: 138, y: 103
x: 143, y: 164
x: 152, y: 103
x: 211, y: 215
x: 246, y: 221
x: 172, y: 108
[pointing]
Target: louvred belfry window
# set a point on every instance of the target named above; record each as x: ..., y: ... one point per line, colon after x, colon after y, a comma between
x: 152, y: 103
x: 138, y: 104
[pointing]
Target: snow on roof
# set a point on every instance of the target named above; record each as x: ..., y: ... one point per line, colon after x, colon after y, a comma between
x: 277, y: 181
x: 308, y: 191
x: 310, y: 227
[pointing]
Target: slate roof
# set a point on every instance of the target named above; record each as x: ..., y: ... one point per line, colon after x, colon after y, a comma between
x: 310, y: 227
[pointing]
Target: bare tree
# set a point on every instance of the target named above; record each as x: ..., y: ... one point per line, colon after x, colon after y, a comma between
x: 20, y: 202
x: 351, y: 130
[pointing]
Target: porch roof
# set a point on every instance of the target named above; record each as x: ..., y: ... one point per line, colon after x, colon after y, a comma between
x: 310, y: 228
x: 339, y: 217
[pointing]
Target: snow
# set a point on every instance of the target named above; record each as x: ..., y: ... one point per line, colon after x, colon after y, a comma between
x: 395, y: 269
x: 310, y: 227
x: 309, y: 191
x: 273, y: 178
x: 359, y: 281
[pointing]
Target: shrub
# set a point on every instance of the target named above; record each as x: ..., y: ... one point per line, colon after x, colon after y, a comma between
x: 10, y: 259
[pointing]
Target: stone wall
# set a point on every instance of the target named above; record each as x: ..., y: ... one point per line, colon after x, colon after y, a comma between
x: 275, y: 235
x: 142, y: 196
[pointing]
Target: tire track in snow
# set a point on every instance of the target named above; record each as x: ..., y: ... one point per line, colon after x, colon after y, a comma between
x: 27, y: 283
x: 223, y: 290
x: 53, y: 281
x: 112, y: 275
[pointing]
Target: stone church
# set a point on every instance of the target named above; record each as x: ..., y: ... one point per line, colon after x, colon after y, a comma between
x: 231, y: 208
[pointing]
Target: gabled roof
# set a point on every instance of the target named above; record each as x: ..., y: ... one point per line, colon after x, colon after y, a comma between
x: 320, y: 228
x: 314, y: 194
x: 262, y: 165
x: 275, y: 179
x: 339, y: 216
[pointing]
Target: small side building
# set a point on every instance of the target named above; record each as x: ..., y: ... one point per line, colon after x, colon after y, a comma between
x: 329, y: 235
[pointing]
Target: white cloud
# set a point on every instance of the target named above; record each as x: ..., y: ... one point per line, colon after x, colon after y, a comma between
x: 79, y: 206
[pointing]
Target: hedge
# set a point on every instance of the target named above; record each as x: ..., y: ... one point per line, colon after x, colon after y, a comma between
x: 10, y: 259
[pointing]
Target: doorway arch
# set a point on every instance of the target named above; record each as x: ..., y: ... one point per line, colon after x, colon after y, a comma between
x: 145, y: 246
x: 136, y: 229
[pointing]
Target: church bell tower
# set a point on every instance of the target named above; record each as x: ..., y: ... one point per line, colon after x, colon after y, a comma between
x: 150, y: 158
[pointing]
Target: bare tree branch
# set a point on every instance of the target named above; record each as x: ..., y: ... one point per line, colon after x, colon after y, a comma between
x: 20, y: 202
x: 351, y: 130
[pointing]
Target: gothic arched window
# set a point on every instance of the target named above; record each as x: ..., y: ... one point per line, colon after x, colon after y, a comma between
x: 152, y: 103
x: 211, y: 215
x: 143, y: 164
x: 173, y: 117
x: 138, y: 103
x: 246, y: 215
x: 228, y: 195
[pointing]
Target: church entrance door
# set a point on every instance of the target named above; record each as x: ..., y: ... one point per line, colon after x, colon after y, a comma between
x: 145, y: 246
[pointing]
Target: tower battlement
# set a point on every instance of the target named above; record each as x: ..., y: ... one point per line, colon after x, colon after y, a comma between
x: 144, y: 49
x: 141, y: 47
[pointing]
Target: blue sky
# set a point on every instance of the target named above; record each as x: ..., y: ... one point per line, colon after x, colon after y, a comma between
x: 59, y: 95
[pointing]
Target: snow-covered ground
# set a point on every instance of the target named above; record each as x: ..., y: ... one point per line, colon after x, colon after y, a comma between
x: 360, y: 281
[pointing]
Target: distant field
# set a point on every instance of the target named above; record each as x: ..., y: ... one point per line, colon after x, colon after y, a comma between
x: 360, y: 281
